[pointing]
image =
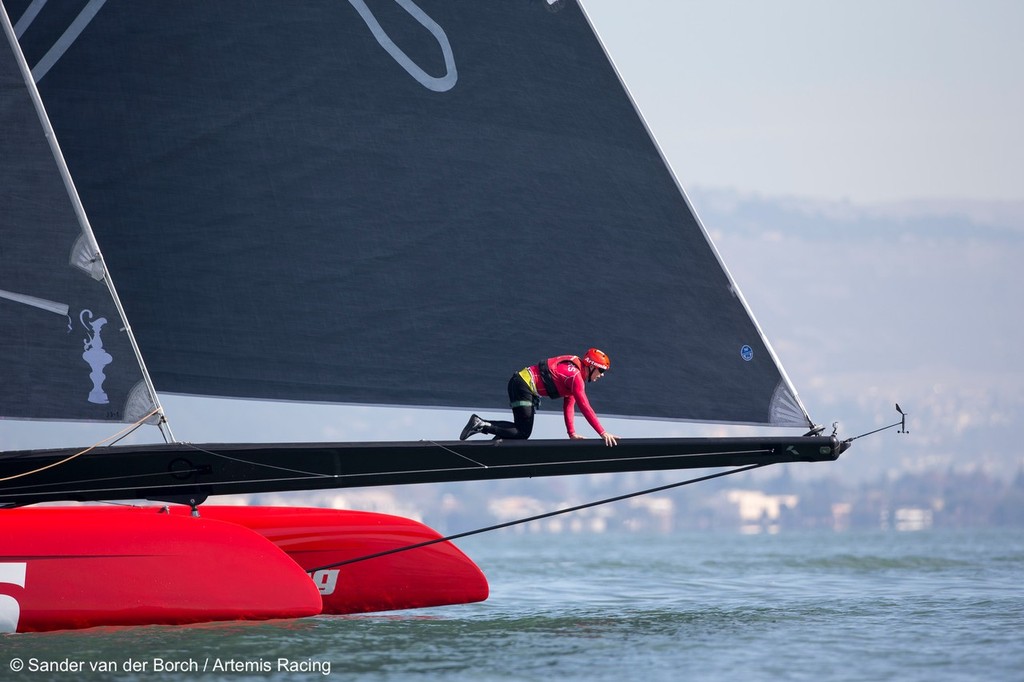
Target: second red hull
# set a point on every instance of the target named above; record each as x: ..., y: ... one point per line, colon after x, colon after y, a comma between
x: 435, y: 575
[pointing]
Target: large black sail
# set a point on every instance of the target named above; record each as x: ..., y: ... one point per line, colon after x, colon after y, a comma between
x: 394, y: 203
x: 64, y: 351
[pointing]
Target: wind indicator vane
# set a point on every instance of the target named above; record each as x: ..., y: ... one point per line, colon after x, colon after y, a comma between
x: 903, y: 420
x: 902, y: 423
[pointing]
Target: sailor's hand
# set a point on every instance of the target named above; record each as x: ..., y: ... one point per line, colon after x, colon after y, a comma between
x: 577, y: 436
x: 609, y: 439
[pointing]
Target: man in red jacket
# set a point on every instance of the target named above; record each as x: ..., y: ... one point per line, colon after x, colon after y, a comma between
x: 563, y: 377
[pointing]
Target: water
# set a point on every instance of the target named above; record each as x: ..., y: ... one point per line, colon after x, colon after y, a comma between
x: 934, y: 605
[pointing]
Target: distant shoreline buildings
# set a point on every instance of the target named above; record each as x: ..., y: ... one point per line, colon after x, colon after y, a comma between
x: 911, y: 502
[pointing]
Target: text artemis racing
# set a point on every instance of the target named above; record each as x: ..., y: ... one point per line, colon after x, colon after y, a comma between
x: 231, y: 665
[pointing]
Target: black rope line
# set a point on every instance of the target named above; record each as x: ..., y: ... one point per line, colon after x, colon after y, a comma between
x: 538, y: 517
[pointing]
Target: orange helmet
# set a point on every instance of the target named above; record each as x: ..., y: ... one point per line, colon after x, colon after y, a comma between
x: 596, y: 358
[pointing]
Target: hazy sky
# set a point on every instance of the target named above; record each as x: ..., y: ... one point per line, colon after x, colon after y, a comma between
x: 874, y: 100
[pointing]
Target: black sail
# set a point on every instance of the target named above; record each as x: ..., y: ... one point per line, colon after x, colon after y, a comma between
x: 64, y: 351
x: 391, y: 203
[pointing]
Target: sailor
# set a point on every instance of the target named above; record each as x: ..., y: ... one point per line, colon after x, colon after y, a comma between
x: 563, y: 377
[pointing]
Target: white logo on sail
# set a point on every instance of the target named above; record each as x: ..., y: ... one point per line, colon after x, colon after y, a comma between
x: 64, y: 42
x: 94, y: 353
x: 96, y: 356
x: 437, y: 84
x: 442, y: 84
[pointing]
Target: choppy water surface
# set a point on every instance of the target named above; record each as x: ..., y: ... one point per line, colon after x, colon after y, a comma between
x: 935, y: 605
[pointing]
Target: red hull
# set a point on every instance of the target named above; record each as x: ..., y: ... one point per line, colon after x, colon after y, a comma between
x: 75, y: 567
x: 435, y: 575
x: 81, y: 567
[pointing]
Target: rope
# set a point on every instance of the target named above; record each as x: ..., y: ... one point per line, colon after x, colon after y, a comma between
x: 67, y: 459
x: 538, y: 517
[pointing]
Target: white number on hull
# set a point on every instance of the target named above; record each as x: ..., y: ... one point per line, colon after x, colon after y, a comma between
x: 10, y: 610
x: 325, y: 580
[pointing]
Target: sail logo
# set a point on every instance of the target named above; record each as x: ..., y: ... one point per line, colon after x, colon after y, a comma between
x: 436, y: 83
x: 326, y: 580
x: 747, y: 353
x: 10, y: 609
x: 96, y: 356
x: 74, y: 30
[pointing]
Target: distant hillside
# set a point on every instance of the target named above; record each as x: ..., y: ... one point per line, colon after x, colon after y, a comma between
x: 750, y: 214
x: 917, y: 302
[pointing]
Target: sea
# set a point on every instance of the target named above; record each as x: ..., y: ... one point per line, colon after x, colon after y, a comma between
x: 879, y: 605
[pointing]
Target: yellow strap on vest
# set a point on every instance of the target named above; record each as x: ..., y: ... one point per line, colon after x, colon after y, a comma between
x: 528, y: 378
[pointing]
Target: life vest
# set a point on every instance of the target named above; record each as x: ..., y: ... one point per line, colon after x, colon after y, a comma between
x: 546, y: 370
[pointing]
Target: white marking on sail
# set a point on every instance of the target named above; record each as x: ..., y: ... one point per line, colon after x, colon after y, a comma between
x: 41, y: 303
x: 442, y: 84
x: 28, y: 17
x: 96, y: 356
x: 66, y: 40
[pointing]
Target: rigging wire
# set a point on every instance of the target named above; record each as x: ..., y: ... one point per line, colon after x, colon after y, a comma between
x: 538, y: 517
